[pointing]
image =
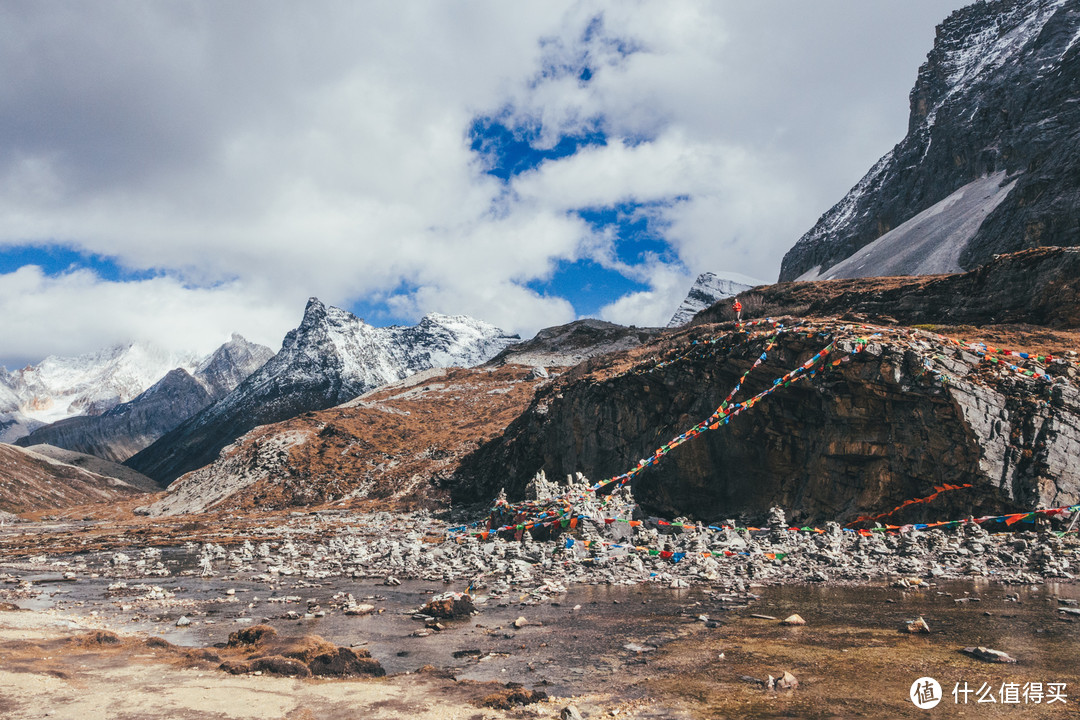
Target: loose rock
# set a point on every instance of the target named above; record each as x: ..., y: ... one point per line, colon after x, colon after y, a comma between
x: 511, y: 697
x: 787, y: 681
x: 450, y: 605
x: 918, y: 625
x: 346, y: 662
x: 251, y: 636
x: 570, y: 712
x: 988, y: 655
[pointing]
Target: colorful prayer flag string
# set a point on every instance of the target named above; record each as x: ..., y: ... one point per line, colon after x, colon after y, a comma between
x: 938, y: 490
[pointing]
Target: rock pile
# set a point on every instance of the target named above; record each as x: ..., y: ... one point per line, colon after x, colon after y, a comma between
x: 382, y: 546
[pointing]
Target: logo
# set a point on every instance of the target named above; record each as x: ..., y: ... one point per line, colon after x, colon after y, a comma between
x: 925, y: 693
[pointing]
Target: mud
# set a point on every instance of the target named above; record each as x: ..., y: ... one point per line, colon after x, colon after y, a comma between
x: 608, y: 632
x: 649, y: 651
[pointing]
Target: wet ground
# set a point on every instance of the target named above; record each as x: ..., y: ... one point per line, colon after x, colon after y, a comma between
x: 648, y: 649
x: 693, y: 651
x: 851, y: 660
x: 590, y: 631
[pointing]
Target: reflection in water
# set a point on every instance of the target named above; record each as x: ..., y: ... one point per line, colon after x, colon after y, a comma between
x: 611, y: 638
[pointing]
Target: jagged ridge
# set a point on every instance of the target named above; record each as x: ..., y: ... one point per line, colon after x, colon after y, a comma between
x: 63, y: 387
x: 331, y: 357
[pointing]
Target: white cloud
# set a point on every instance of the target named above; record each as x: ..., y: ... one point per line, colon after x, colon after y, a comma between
x: 77, y: 311
x: 599, y: 176
x: 653, y: 307
x: 261, y: 153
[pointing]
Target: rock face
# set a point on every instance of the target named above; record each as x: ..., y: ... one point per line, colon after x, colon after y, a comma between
x: 988, y: 160
x: 1040, y: 287
x: 333, y: 356
x: 29, y: 481
x: 127, y: 428
x: 708, y: 289
x: 859, y: 439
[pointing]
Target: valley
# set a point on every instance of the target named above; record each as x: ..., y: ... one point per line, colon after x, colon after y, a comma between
x: 794, y: 499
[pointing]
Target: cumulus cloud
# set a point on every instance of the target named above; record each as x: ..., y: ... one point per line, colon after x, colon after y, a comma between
x: 75, y: 312
x: 259, y: 153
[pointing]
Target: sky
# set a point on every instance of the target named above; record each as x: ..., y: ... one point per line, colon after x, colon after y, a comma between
x: 172, y: 172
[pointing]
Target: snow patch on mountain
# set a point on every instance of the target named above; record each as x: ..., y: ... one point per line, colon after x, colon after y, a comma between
x: 989, y: 48
x: 709, y: 288
x: 992, y: 95
x: 929, y: 243
x: 59, y: 388
x: 63, y: 387
x: 333, y: 345
x: 221, y: 371
x: 331, y: 357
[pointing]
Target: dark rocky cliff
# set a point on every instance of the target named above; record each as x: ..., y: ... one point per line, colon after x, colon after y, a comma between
x: 997, y: 96
x: 862, y: 438
x: 1040, y: 287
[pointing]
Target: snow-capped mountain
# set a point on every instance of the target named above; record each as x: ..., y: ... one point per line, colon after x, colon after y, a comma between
x: 709, y: 288
x: 127, y: 428
x: 63, y: 387
x: 989, y: 161
x: 333, y: 356
x: 225, y: 368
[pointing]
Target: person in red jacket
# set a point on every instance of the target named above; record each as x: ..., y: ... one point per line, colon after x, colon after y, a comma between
x: 737, y: 307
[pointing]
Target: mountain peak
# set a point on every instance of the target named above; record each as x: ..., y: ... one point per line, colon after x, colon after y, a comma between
x: 983, y: 162
x: 88, y: 384
x: 333, y: 356
x: 708, y: 289
x: 314, y: 312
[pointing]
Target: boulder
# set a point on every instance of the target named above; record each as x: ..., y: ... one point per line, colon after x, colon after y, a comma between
x: 918, y: 625
x: 511, y: 697
x: 346, y: 662
x: 988, y: 655
x: 269, y: 665
x: 450, y: 605
x: 251, y: 636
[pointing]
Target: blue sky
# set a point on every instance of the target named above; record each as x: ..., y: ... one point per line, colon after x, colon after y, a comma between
x: 56, y: 260
x: 174, y: 172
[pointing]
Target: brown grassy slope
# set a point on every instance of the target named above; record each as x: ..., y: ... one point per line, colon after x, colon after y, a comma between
x: 390, y: 449
x: 30, y: 482
x: 1037, y: 287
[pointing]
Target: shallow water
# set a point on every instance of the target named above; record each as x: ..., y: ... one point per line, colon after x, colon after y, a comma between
x: 558, y: 648
x: 852, y: 661
x: 613, y: 639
